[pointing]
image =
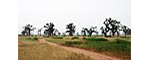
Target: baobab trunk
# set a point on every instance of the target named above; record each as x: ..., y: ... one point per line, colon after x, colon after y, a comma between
x: 70, y: 34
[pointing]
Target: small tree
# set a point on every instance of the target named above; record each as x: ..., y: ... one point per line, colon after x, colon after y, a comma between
x: 70, y: 29
x: 27, y: 30
x: 83, y: 32
x: 39, y: 31
x: 126, y: 30
x: 91, y: 30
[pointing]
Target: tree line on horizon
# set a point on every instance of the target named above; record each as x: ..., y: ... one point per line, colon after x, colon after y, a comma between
x: 110, y: 26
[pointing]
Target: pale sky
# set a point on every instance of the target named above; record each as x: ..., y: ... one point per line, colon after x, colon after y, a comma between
x: 83, y: 13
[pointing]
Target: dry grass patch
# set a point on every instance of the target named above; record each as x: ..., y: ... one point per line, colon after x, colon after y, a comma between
x: 47, y: 52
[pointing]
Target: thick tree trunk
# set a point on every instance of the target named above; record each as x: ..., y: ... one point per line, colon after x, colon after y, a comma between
x: 70, y: 34
x: 113, y: 34
x: 105, y: 34
x: 125, y: 34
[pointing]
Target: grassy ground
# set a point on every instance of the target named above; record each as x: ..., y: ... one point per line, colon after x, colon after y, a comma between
x: 36, y: 51
x: 116, y: 47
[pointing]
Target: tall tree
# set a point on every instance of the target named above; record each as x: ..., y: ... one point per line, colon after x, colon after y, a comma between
x: 49, y: 29
x: 111, y: 25
x: 70, y: 29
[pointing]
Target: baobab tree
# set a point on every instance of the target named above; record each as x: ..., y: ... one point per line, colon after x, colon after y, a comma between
x: 83, y: 32
x: 27, y: 29
x: 39, y: 31
x: 49, y: 29
x: 126, y: 30
x: 56, y: 33
x: 110, y: 25
x: 70, y: 29
x: 91, y: 30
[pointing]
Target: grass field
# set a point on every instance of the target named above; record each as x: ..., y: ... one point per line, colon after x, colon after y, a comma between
x: 117, y: 47
x: 36, y: 51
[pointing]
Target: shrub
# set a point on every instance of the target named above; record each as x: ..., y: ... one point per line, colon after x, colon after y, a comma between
x: 75, y: 38
x: 120, y: 41
x: 57, y: 37
x: 95, y: 39
x: 28, y: 38
x: 71, y: 43
x: 35, y: 38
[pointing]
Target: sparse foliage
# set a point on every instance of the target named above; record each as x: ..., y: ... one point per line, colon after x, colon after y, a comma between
x: 70, y: 29
x: 49, y: 29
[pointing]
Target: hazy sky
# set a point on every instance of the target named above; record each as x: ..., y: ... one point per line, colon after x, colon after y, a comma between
x: 83, y: 13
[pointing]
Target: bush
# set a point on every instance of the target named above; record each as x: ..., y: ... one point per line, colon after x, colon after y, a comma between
x: 95, y: 39
x: 71, y: 43
x: 35, y: 38
x: 57, y: 37
x: 120, y: 41
x: 75, y: 38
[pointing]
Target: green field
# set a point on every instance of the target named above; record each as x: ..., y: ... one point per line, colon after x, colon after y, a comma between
x: 119, y: 47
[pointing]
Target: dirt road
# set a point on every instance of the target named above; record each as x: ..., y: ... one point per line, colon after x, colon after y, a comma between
x: 91, y: 54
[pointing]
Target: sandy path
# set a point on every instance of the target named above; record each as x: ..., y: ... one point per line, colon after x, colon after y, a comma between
x: 93, y: 55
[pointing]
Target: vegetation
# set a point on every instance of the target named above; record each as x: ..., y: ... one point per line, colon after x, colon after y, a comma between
x: 47, y: 52
x: 27, y: 30
x: 117, y: 48
x: 71, y: 43
x: 110, y: 25
x: 49, y: 29
x: 28, y: 39
x: 120, y: 47
x: 71, y: 29
x: 126, y: 30
x: 75, y: 38
x: 56, y: 37
x: 95, y: 39
x: 90, y: 31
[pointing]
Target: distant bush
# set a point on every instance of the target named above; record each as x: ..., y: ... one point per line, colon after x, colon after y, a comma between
x: 125, y: 37
x: 57, y: 37
x: 30, y: 38
x: 75, y: 38
x: 120, y: 41
x: 70, y: 43
x: 35, y: 38
x: 95, y: 39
